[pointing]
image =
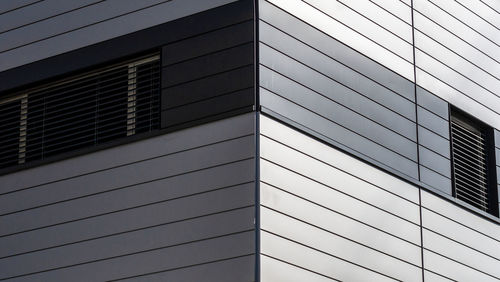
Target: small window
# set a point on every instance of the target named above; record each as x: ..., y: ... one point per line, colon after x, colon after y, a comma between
x: 473, y: 162
x: 78, y: 112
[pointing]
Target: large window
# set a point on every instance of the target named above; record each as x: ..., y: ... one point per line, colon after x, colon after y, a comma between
x: 473, y: 162
x: 91, y: 109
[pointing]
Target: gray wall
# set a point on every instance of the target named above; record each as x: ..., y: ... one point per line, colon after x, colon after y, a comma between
x: 48, y: 28
x: 328, y: 216
x: 175, y: 206
x: 315, y: 80
x: 456, y: 47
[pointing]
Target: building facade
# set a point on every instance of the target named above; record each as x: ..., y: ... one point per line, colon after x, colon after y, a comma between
x: 269, y: 140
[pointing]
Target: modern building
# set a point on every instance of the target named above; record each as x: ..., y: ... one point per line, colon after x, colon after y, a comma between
x: 266, y: 140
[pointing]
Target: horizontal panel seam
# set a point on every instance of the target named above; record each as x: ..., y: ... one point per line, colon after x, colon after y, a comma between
x: 20, y: 7
x: 333, y: 188
x: 130, y: 254
x: 206, y: 76
x: 459, y: 73
x: 489, y: 108
x: 298, y: 266
x: 433, y: 170
x: 332, y: 58
x: 460, y: 243
x: 379, y: 25
x: 183, y: 267
x: 394, y: 15
x: 233, y: 186
x: 339, y: 213
x: 198, y: 56
x: 84, y: 26
x: 330, y: 165
x: 441, y: 275
x: 53, y: 16
x: 342, y: 43
x: 328, y: 254
x: 383, y: 47
x: 449, y: 31
x: 336, y: 102
x: 127, y: 186
x: 343, y: 237
x: 482, y: 35
x: 129, y: 163
x: 348, y: 129
x: 128, y: 231
x: 457, y: 54
x: 463, y: 264
x: 207, y: 99
x: 459, y: 223
x: 432, y: 150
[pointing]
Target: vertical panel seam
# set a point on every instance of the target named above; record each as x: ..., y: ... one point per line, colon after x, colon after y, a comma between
x: 257, y: 277
x: 418, y: 143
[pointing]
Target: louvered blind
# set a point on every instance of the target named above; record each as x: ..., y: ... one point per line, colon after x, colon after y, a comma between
x: 88, y: 110
x: 470, y: 162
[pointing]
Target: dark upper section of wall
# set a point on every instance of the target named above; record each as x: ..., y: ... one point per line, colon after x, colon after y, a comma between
x: 123, y: 46
x: 208, y: 75
x: 207, y: 65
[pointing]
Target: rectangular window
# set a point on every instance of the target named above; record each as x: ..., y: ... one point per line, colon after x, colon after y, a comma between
x: 473, y: 162
x: 83, y: 111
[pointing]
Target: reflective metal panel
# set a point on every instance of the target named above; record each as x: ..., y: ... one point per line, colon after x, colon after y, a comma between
x: 275, y: 270
x: 365, y: 27
x: 333, y: 157
x: 451, y: 269
x: 461, y: 253
x: 457, y: 27
x: 462, y: 216
x: 335, y: 245
x: 398, y: 8
x: 459, y: 46
x: 487, y: 9
x: 435, y: 161
x: 379, y: 16
x: 461, y: 65
x: 314, y: 260
x: 346, y: 35
x: 340, y: 224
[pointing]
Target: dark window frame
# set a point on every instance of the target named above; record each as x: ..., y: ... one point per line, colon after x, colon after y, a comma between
x: 470, y: 123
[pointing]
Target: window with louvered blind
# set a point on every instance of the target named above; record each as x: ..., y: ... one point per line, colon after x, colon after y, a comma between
x: 94, y: 108
x: 472, y: 162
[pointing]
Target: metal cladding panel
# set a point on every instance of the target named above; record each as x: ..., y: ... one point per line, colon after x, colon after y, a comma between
x: 336, y: 209
x: 128, y: 211
x: 350, y: 26
x: 457, y: 51
x: 90, y: 25
x: 457, y: 244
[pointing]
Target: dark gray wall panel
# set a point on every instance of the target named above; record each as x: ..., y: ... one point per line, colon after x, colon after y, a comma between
x: 202, y: 83
x: 229, y: 270
x: 116, y: 18
x: 433, y: 122
x: 129, y: 153
x: 432, y: 103
x: 153, y: 261
x: 336, y: 112
x: 435, y: 162
x: 142, y: 171
x: 210, y: 64
x: 189, y: 206
x: 435, y: 180
x: 434, y: 142
x: 218, y: 84
x: 136, y: 241
x: 335, y: 49
x: 6, y: 6
x: 327, y: 66
x: 39, y: 12
x: 339, y: 134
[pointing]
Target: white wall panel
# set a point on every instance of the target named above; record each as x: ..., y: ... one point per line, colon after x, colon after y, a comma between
x: 396, y: 60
